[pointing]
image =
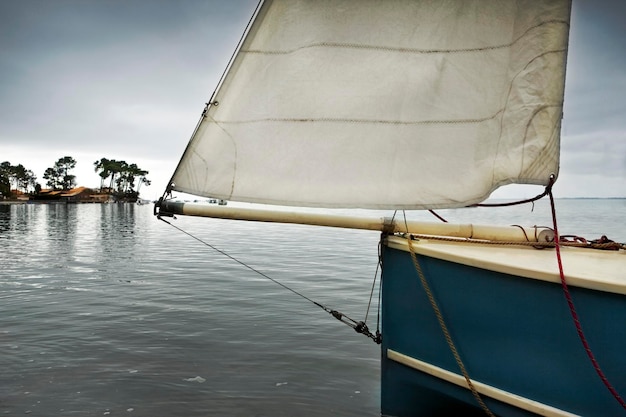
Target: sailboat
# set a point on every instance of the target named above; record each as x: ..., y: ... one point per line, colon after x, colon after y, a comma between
x: 420, y: 105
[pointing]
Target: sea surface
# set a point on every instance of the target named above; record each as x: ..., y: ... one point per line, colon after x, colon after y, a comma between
x: 105, y: 310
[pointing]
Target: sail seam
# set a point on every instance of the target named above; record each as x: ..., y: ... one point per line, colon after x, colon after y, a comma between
x: 348, y: 45
x: 362, y: 121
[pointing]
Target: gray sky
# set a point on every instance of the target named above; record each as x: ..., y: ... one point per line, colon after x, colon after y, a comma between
x: 128, y: 80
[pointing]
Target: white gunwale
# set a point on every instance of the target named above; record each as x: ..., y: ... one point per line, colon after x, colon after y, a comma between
x: 483, y: 389
x: 586, y: 268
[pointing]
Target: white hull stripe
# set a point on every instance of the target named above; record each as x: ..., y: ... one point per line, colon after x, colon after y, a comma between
x: 484, y: 389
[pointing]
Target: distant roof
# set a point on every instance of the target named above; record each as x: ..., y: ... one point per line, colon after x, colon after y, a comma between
x: 51, y: 192
x: 66, y: 193
x: 75, y: 191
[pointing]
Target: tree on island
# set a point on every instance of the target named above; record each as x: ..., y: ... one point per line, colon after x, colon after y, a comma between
x: 5, y: 182
x: 122, y: 178
x: 16, y: 177
x: 59, y: 177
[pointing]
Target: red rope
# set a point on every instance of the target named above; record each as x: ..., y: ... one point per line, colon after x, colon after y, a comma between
x: 572, y: 310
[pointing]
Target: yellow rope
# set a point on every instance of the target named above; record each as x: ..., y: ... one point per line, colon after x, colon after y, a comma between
x: 612, y: 245
x: 446, y: 333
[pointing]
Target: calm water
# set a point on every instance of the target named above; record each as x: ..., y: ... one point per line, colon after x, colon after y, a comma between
x: 104, y: 310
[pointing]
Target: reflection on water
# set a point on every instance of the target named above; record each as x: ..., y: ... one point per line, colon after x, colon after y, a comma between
x: 106, y: 310
x: 69, y: 236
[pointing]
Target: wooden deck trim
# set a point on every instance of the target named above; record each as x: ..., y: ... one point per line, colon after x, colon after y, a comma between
x: 483, y: 389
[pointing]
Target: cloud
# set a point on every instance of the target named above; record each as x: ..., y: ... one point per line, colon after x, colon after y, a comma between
x: 596, y: 72
x: 128, y: 80
x: 65, y: 62
x: 116, y: 79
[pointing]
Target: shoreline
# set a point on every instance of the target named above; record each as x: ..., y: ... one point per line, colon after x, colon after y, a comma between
x: 15, y: 202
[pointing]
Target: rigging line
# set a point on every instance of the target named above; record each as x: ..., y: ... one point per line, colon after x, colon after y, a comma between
x: 378, y: 265
x: 546, y: 191
x: 358, y: 326
x: 371, y: 292
x: 380, y: 262
x: 245, y: 265
x: 437, y: 216
x: 572, y: 308
x: 234, y: 54
x: 442, y: 322
x: 376, y: 337
x: 444, y: 328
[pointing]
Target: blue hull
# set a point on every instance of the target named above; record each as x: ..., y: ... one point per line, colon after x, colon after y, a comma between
x: 514, y: 334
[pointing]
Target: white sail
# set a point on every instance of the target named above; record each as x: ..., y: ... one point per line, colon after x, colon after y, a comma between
x: 384, y: 104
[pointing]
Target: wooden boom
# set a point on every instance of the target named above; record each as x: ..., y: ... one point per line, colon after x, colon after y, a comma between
x: 467, y: 231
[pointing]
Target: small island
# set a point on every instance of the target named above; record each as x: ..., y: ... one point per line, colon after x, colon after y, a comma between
x: 119, y: 183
